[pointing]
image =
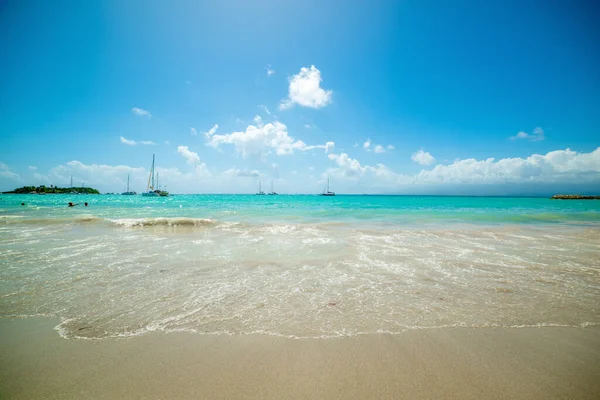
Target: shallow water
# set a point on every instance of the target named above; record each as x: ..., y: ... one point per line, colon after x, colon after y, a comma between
x: 298, y: 266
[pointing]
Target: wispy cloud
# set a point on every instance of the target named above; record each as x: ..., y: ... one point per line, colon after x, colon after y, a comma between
x: 242, y: 173
x: 128, y: 142
x: 270, y: 71
x: 141, y: 112
x: 535, y: 136
x: 134, y: 143
x: 381, y: 149
x: 32, y: 168
x: 306, y: 91
x: 211, y: 131
x: 5, y: 172
x: 190, y: 156
x: 265, y: 109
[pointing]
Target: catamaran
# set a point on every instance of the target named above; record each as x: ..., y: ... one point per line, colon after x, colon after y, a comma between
x: 128, y: 193
x: 326, y: 191
x: 260, y: 192
x: 150, y: 191
x: 272, y: 191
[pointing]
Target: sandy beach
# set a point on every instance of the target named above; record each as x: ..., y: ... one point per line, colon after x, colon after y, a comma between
x: 453, y: 363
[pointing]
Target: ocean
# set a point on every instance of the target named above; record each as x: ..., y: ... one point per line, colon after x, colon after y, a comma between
x: 298, y: 266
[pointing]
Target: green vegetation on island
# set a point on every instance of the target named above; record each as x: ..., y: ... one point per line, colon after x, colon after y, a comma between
x: 53, y: 190
x: 574, y: 197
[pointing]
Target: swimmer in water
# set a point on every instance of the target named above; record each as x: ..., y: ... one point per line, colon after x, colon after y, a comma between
x: 22, y: 204
x: 72, y: 205
x: 85, y: 204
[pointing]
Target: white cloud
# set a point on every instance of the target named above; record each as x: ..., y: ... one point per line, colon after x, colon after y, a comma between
x: 535, y: 136
x: 193, y: 131
x: 141, y: 112
x: 377, y: 148
x: 190, y: 156
x: 554, y: 170
x: 423, y: 158
x: 94, y: 175
x: 211, y: 131
x: 258, y: 120
x: 308, y: 126
x: 540, y: 173
x: 305, y: 90
x: 259, y: 141
x: 133, y: 142
x: 270, y: 71
x: 32, y: 168
x: 265, y: 109
x: 109, y: 178
x: 390, y: 147
x: 128, y: 142
x: 234, y: 172
x: 328, y: 147
x: 167, y: 142
x: 564, y: 166
x: 351, y: 168
x: 5, y: 172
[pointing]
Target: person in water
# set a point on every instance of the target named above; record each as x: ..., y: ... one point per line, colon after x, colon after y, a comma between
x: 22, y: 204
x: 85, y: 204
x: 72, y: 205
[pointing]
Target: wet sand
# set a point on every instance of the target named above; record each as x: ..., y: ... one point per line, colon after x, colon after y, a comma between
x: 453, y: 363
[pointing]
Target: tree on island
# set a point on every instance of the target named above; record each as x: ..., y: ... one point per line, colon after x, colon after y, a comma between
x: 53, y: 190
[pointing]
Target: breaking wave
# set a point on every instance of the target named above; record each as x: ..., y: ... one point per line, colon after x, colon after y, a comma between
x: 179, y: 221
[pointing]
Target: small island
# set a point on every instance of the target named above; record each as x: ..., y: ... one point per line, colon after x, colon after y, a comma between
x: 574, y: 197
x: 53, y: 190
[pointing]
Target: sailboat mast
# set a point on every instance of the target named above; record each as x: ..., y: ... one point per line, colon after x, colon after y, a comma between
x: 128, y: 182
x: 327, y: 185
x: 259, y: 189
x: 152, y: 172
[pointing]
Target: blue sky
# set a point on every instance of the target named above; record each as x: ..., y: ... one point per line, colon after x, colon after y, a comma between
x: 461, y: 96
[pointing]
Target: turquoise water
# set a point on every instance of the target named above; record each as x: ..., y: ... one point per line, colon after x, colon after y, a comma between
x: 298, y: 266
x: 403, y: 210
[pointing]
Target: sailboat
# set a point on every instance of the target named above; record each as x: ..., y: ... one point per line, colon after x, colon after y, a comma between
x: 326, y: 191
x: 150, y: 191
x: 163, y: 193
x: 272, y: 191
x: 260, y: 192
x: 128, y: 193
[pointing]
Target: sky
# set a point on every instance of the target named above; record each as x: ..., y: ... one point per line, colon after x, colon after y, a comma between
x: 407, y: 97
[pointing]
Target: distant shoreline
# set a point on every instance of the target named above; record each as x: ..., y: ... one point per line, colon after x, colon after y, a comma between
x: 574, y: 197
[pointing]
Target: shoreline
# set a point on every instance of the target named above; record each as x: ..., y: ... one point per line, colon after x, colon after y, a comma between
x: 460, y: 363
